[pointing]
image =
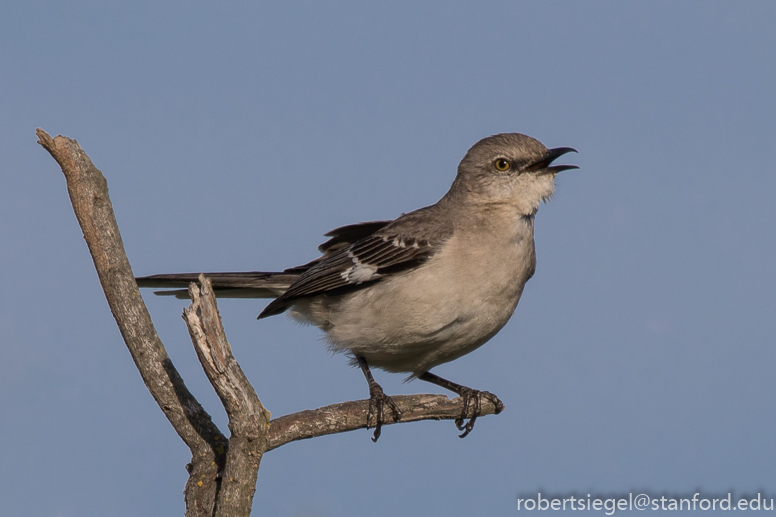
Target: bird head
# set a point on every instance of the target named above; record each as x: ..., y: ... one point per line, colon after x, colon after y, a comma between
x: 509, y: 169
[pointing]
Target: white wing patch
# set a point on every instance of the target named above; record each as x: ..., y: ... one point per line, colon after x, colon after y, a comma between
x: 359, y: 272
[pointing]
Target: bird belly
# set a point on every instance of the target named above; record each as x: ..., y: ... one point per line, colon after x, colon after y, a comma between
x: 426, y: 317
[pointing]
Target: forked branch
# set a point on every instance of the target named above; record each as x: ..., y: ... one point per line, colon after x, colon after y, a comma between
x: 222, y: 474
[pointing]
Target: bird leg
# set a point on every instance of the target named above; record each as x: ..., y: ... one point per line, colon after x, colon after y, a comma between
x: 472, y: 400
x: 377, y: 401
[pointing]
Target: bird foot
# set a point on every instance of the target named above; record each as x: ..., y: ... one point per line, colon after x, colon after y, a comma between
x: 377, y: 402
x: 472, y: 404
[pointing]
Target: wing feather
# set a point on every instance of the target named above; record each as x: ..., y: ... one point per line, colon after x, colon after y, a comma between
x: 362, y: 263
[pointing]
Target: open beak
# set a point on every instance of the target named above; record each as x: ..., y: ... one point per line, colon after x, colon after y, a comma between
x: 542, y: 165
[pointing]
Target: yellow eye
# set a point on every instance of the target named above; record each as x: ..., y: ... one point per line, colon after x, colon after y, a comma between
x: 502, y: 164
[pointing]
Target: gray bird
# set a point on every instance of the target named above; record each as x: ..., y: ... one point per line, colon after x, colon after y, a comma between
x: 426, y: 288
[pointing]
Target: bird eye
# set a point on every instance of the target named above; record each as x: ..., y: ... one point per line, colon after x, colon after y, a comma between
x: 502, y: 164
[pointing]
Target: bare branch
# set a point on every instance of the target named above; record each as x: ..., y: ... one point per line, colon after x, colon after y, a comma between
x: 89, y: 195
x: 219, y: 469
x: 248, y: 420
x: 349, y: 416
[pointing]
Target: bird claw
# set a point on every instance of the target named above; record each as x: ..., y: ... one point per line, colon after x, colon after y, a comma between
x: 377, y: 402
x: 470, y: 396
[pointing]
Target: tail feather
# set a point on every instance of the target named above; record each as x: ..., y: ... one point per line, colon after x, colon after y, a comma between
x: 250, y: 284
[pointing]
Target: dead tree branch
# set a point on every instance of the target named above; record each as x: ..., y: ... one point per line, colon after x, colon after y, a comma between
x: 248, y: 420
x: 88, y: 191
x: 222, y: 474
x: 349, y: 416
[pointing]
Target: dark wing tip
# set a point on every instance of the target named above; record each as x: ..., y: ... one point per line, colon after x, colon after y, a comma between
x: 273, y: 308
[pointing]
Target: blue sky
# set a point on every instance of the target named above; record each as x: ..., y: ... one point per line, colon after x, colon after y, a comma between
x: 233, y: 135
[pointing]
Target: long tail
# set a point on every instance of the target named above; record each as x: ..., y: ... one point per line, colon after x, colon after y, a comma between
x: 249, y: 284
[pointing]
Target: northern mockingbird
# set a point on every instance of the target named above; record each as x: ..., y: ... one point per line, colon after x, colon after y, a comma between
x: 426, y: 288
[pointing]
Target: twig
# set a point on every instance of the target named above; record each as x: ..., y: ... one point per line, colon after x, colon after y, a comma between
x: 248, y: 420
x: 349, y: 416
